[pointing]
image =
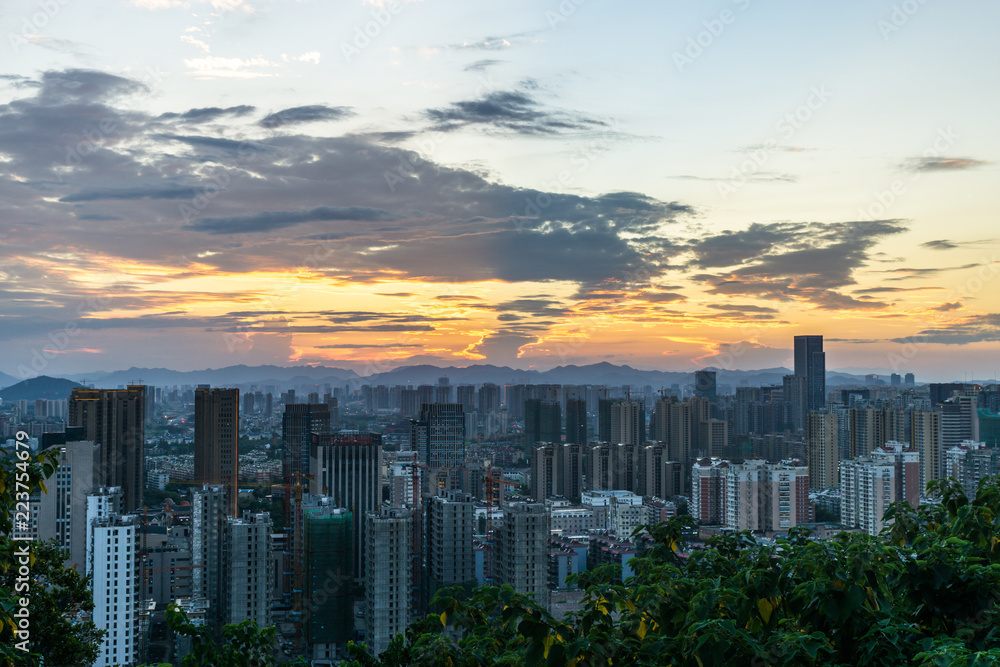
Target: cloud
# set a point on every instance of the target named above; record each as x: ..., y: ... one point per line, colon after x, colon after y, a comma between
x: 267, y: 221
x: 944, y: 244
x: 206, y: 114
x: 973, y: 329
x: 942, y: 163
x: 214, y: 67
x: 482, y: 65
x: 306, y: 114
x: 741, y: 308
x: 223, y: 5
x: 793, y: 261
x: 509, y: 110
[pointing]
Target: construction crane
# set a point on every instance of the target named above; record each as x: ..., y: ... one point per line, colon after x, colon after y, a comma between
x: 491, y: 484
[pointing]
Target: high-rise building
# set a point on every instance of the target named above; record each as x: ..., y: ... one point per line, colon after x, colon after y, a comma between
x: 328, y: 569
x: 216, y: 440
x: 544, y: 470
x: 246, y: 569
x: 542, y: 422
x: 869, y: 429
x: 959, y: 420
x: 652, y: 480
x: 208, y: 512
x: 704, y: 385
x: 604, y: 418
x: 822, y: 450
x: 450, y: 556
x: 115, y: 420
x: 389, y: 575
x: 113, y: 564
x: 810, y: 363
x: 763, y: 496
x: 600, y: 466
x: 571, y: 471
x: 347, y: 467
x: 298, y: 424
x: 489, y: 398
x: 628, y: 422
x: 925, y: 438
x: 576, y: 420
x: 869, y: 484
x: 466, y: 395
x: 439, y: 435
x: 626, y: 466
x: 62, y: 512
x: 522, y: 550
x: 795, y: 388
x: 970, y: 463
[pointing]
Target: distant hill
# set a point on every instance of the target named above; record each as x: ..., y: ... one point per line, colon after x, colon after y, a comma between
x: 7, y: 380
x: 603, y: 373
x: 231, y: 376
x: 42, y: 386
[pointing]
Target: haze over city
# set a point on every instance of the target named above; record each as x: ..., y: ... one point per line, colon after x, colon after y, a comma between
x: 669, y: 186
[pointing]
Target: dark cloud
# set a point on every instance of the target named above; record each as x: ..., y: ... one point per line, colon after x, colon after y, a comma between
x: 944, y: 244
x: 206, y: 114
x: 150, y: 192
x: 509, y: 110
x: 742, y: 308
x: 793, y: 261
x: 305, y: 114
x: 271, y: 220
x: 943, y: 163
x: 974, y: 329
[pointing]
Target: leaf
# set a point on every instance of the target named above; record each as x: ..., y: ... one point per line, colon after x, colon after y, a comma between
x: 765, y: 608
x: 444, y: 619
x: 641, y: 632
x: 547, y: 643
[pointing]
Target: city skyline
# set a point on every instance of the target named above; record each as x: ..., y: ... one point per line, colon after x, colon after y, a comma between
x: 376, y: 184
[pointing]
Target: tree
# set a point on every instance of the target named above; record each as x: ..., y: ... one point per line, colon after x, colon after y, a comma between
x: 58, y: 593
x: 20, y: 475
x: 926, y: 592
x: 245, y: 644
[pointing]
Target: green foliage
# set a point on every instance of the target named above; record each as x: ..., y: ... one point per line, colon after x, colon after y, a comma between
x: 925, y: 592
x: 244, y: 644
x: 57, y: 594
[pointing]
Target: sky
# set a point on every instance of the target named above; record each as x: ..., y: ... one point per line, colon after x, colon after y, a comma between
x: 368, y: 184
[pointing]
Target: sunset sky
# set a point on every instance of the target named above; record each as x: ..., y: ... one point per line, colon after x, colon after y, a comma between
x: 671, y: 185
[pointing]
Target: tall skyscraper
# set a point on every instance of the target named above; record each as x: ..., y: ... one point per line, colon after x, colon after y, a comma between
x: 822, y: 447
x: 208, y: 513
x: 604, y: 406
x: 704, y: 385
x: 216, y: 440
x: 328, y: 569
x: 571, y: 471
x: 600, y: 466
x: 542, y: 422
x: 795, y: 388
x: 389, y: 575
x: 246, y: 570
x: 576, y: 420
x: 628, y: 422
x: 298, y: 424
x: 544, y: 470
x: 489, y: 398
x: 450, y: 556
x: 439, y: 435
x: 115, y: 420
x: 347, y: 467
x: 62, y: 512
x: 810, y: 363
x: 925, y: 438
x: 113, y: 564
x: 522, y: 550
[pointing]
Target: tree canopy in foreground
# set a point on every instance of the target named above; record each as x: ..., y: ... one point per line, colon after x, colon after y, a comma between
x: 925, y: 592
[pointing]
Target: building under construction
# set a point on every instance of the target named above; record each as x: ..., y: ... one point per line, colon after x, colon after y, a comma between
x: 327, y: 597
